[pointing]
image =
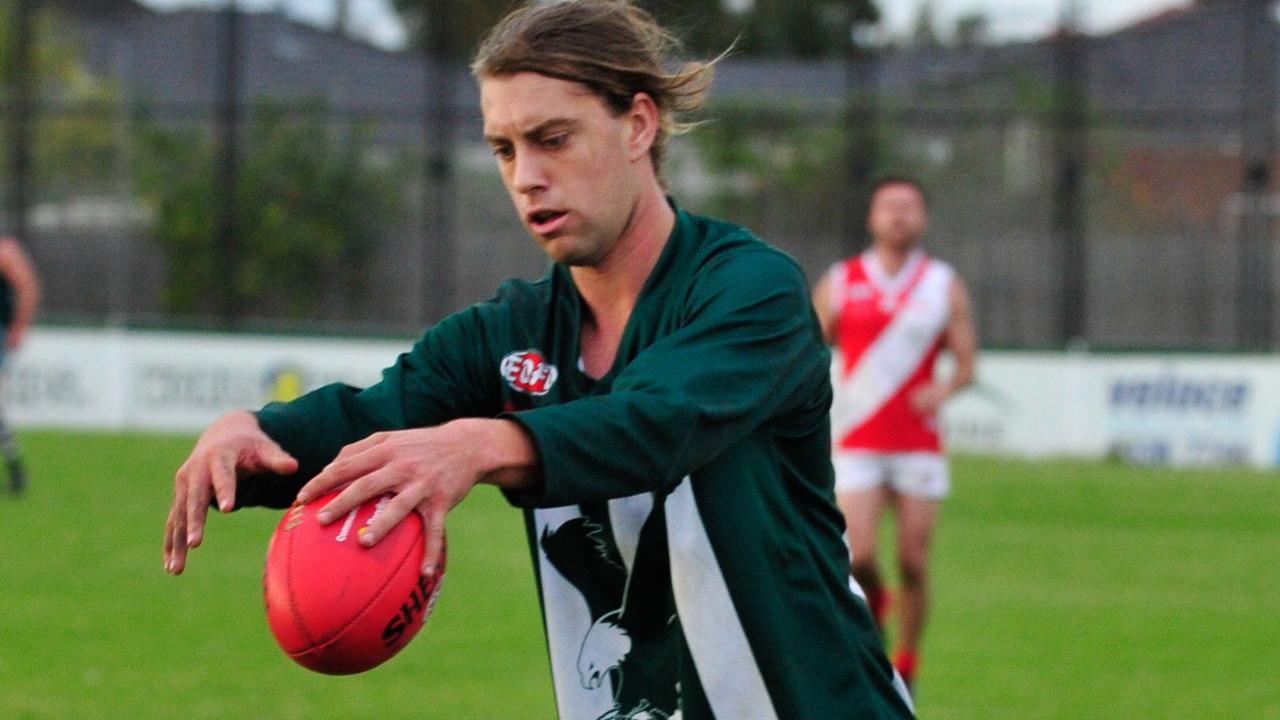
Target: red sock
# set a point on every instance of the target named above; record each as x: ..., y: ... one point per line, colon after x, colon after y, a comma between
x: 879, y: 602
x: 906, y: 662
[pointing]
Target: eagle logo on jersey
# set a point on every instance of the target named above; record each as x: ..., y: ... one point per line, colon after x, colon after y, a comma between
x: 622, y: 646
x: 528, y: 372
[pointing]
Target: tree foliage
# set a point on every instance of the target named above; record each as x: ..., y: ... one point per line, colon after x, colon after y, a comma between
x: 972, y: 30
x: 924, y: 30
x: 799, y: 28
x: 307, y: 204
x: 77, y: 149
x: 467, y: 21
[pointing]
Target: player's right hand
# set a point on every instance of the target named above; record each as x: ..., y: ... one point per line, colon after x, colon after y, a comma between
x: 231, y: 444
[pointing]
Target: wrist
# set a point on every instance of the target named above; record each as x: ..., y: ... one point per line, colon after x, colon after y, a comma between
x: 506, y: 455
x: 240, y: 419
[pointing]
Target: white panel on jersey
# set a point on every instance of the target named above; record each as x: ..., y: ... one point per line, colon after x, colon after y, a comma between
x: 856, y: 588
x: 730, y: 675
x: 627, y: 515
x: 903, y: 692
x: 899, y: 684
x: 896, y: 354
x: 891, y: 285
x: 568, y: 622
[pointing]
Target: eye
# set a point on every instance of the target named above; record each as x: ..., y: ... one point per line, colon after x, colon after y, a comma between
x: 555, y: 141
x: 504, y: 152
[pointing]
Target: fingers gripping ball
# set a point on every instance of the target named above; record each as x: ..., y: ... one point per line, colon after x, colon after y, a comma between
x: 337, y: 607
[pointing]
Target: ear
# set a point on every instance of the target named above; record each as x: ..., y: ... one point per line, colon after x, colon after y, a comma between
x: 643, y: 121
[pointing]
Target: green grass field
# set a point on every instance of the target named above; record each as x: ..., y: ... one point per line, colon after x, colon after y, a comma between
x: 1063, y: 590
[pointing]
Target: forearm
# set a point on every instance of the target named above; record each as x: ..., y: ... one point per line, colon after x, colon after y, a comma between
x: 961, y: 379
x: 961, y: 339
x: 27, y: 300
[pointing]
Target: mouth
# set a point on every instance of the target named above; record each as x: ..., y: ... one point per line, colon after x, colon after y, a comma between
x: 546, y: 221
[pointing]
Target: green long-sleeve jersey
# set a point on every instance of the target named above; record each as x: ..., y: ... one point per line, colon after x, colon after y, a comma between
x: 687, y: 547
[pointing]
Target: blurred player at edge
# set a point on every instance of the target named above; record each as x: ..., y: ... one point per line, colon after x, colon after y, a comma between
x: 19, y: 298
x: 890, y: 311
x: 658, y: 405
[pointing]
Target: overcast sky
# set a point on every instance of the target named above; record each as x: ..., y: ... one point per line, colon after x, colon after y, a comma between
x: 1010, y: 19
x: 1021, y: 19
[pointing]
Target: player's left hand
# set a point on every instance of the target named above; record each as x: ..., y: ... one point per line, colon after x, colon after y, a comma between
x: 429, y: 470
x: 928, y: 399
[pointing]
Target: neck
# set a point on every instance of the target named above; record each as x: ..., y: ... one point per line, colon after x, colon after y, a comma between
x: 611, y: 287
x: 892, y: 258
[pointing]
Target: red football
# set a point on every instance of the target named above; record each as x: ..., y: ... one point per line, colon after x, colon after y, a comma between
x: 336, y: 606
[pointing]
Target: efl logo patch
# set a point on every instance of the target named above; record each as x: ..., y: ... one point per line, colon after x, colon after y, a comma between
x: 528, y: 372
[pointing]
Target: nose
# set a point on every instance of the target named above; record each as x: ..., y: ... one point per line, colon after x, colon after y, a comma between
x: 528, y: 176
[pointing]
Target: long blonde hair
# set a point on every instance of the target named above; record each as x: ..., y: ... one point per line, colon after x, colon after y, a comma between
x: 611, y: 47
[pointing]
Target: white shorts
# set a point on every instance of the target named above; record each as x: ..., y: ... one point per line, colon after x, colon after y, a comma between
x: 918, y: 474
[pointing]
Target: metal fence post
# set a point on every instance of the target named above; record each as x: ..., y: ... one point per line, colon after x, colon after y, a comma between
x: 21, y: 111
x: 438, y: 232
x: 229, y: 305
x: 1256, y: 294
x: 862, y: 117
x: 1070, y: 148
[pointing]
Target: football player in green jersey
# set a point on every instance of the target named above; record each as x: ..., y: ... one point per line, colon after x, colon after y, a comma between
x: 657, y: 406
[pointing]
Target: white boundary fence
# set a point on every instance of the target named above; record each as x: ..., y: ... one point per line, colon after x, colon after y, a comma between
x: 1154, y: 409
x: 1160, y: 409
x: 174, y: 382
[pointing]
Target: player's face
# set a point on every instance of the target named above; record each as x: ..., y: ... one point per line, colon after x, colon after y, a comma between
x: 898, y: 216
x: 565, y: 160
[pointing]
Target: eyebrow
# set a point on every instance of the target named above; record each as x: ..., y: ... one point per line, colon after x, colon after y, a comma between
x: 537, y: 130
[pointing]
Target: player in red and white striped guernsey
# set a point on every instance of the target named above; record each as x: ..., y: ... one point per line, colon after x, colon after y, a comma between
x: 890, y: 311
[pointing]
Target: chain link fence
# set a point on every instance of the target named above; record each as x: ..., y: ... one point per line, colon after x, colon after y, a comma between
x: 216, y: 168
